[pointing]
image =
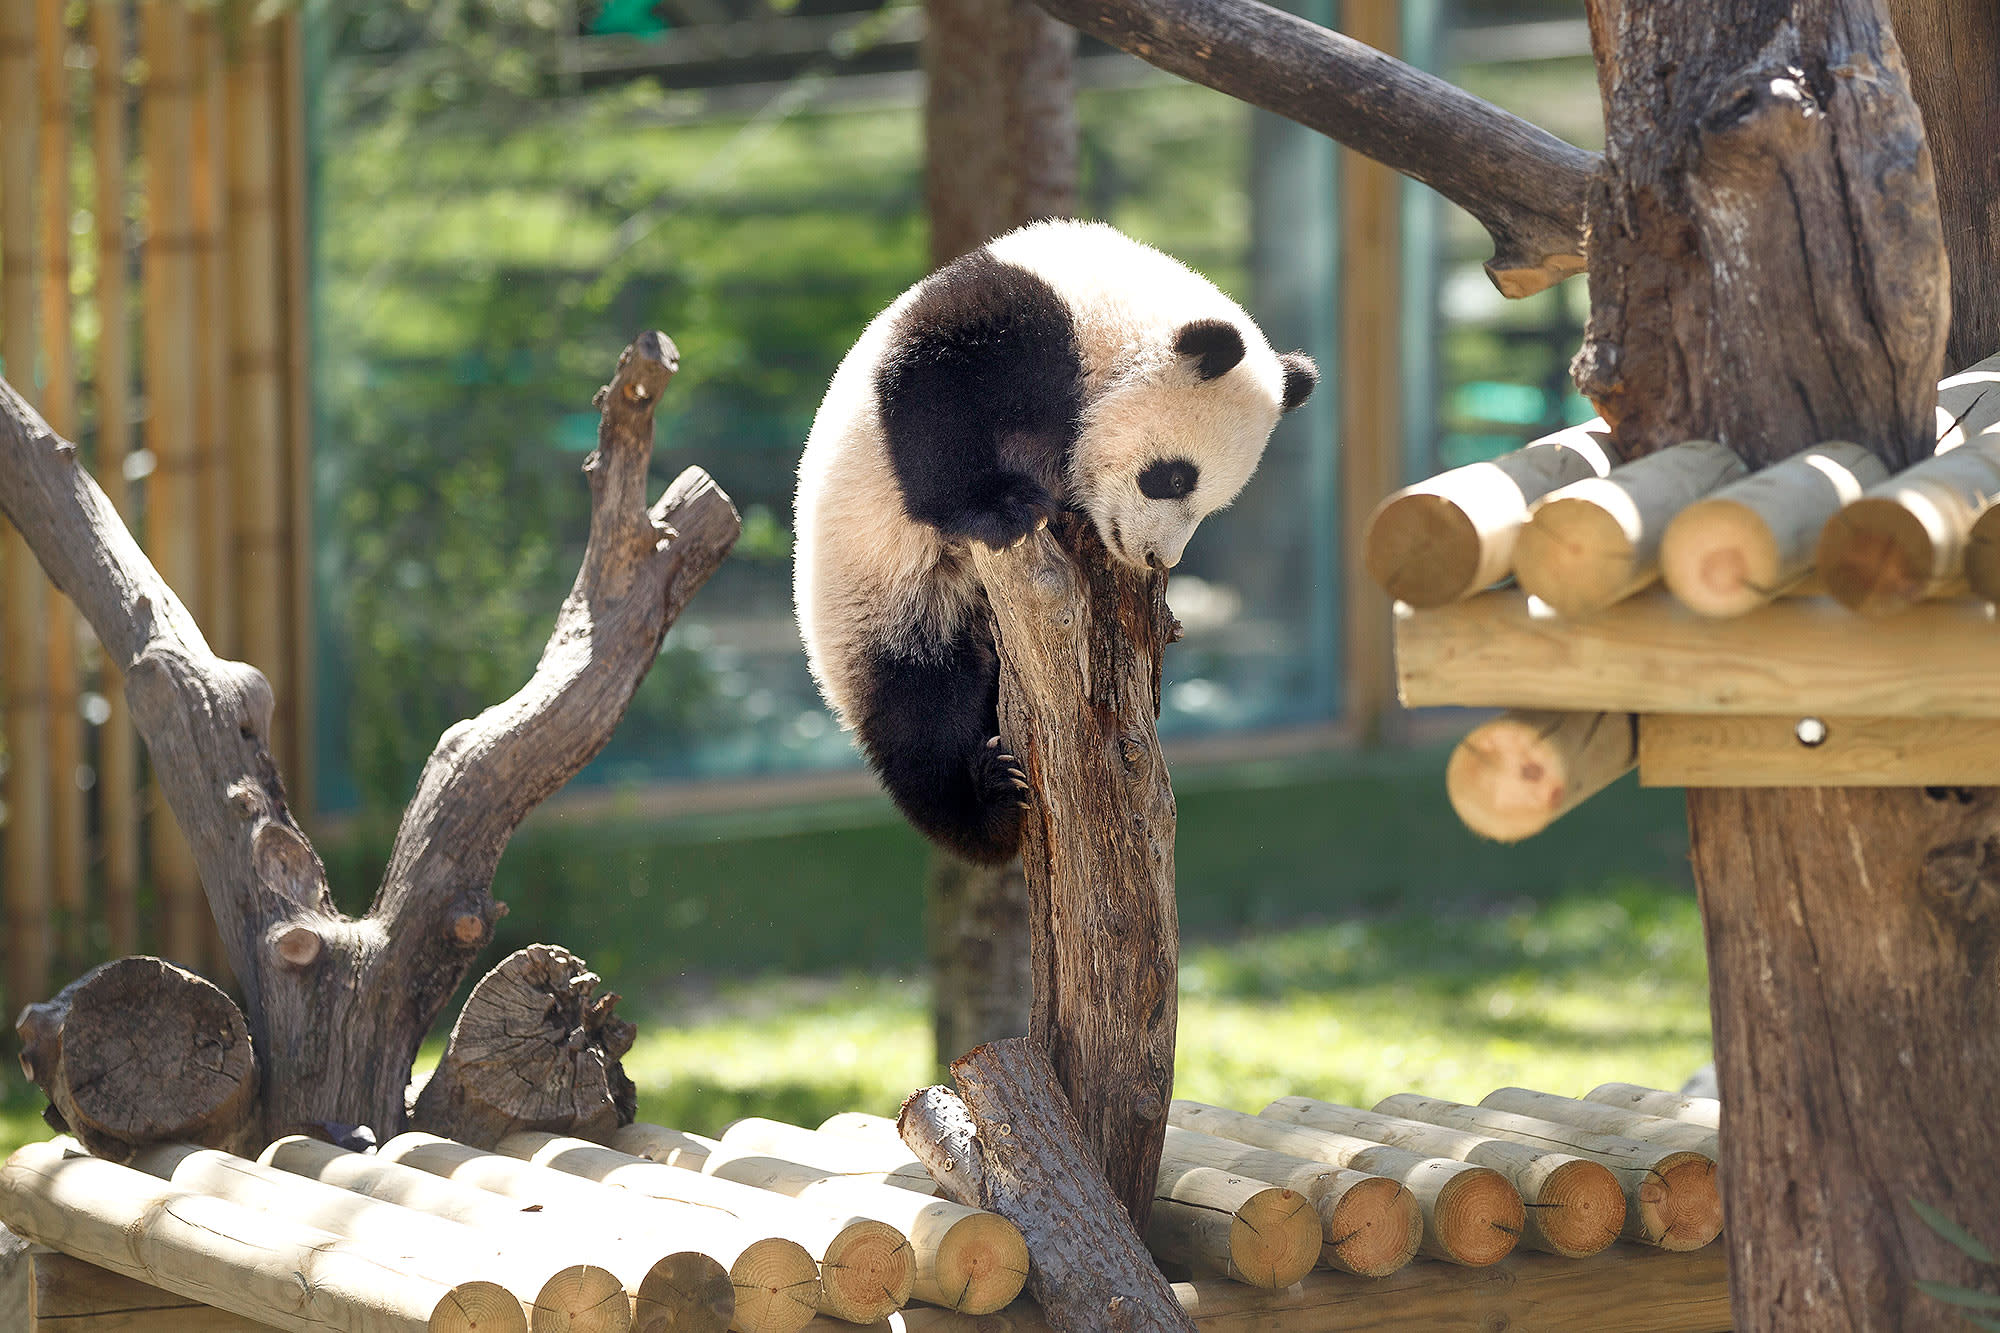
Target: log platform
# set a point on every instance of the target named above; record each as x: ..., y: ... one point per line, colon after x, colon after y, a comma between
x: 432, y: 1234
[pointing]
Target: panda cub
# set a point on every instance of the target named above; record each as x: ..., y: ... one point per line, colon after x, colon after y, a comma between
x: 1061, y: 365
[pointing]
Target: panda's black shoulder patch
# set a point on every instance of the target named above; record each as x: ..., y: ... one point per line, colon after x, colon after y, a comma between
x: 981, y: 396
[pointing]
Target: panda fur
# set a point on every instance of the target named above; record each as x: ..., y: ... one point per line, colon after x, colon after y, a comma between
x: 1062, y: 364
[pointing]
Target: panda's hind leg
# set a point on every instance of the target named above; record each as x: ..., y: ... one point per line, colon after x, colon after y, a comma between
x: 928, y: 727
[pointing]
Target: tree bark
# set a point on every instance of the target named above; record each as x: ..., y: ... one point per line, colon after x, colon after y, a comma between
x: 337, y: 1007
x: 1080, y: 641
x: 1524, y: 185
x: 1009, y: 1144
x: 1768, y: 269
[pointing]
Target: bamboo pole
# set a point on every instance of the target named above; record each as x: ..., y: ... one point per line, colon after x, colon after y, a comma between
x: 1740, y: 547
x: 1517, y: 774
x: 968, y: 1259
x: 68, y: 831
x: 1575, y: 1207
x: 270, y: 1269
x: 23, y: 619
x: 1370, y: 1226
x: 684, y: 1291
x: 1671, y: 1198
x: 777, y: 1283
x: 1623, y: 1122
x: 207, y: 189
x: 117, y: 746
x: 866, y: 1266
x: 559, y: 1294
x: 670, y: 1147
x: 1597, y: 541
x: 1695, y: 1110
x: 1907, y: 538
x: 829, y: 1154
x: 1218, y: 1224
x: 172, y: 497
x: 1444, y: 539
x: 1472, y: 1216
x: 296, y: 735
x: 256, y: 360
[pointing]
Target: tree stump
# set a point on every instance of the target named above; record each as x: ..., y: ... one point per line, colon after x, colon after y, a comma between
x: 138, y: 1051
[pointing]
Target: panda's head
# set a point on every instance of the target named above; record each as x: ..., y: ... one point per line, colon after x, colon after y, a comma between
x: 1177, y: 436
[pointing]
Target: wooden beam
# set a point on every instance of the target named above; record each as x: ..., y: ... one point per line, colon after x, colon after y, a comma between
x: 1649, y: 654
x: 1371, y: 430
x: 1694, y: 750
x: 76, y: 1296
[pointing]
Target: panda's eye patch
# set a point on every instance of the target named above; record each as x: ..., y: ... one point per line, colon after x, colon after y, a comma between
x: 1169, y: 479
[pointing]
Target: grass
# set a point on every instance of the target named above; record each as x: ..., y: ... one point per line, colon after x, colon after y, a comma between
x: 1344, y: 937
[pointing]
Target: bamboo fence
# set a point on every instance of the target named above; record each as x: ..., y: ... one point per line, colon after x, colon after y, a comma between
x: 153, y: 309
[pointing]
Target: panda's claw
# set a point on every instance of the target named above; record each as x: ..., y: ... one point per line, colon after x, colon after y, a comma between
x: 993, y: 743
x: 1042, y: 523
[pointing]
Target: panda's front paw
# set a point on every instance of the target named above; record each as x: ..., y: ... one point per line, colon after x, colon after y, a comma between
x: 1006, y: 512
x: 997, y: 777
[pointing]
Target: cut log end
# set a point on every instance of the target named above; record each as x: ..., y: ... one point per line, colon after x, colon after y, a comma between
x: 1512, y: 777
x: 1680, y: 1204
x: 1275, y: 1239
x: 1720, y: 559
x: 1578, y: 1211
x: 1372, y: 1229
x: 982, y: 1264
x: 479, y: 1307
x: 582, y: 1298
x: 777, y: 1287
x: 684, y: 1293
x: 1575, y: 555
x: 1982, y: 555
x: 1479, y: 1218
x: 1422, y: 549
x: 1517, y: 275
x: 867, y: 1272
x: 1877, y: 557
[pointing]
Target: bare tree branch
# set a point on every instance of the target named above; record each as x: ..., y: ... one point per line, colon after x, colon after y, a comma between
x: 1524, y: 185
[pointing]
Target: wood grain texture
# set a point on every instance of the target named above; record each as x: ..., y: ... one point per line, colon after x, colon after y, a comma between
x: 1080, y: 641
x: 1695, y: 750
x: 1649, y: 654
x: 1008, y: 1142
x: 1524, y: 185
x: 74, y: 1296
x: 336, y: 1035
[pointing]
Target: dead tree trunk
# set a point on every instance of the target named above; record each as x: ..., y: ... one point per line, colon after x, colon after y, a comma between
x: 336, y: 1007
x: 1000, y: 136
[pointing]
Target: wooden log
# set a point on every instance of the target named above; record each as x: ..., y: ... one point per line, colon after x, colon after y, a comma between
x: 24, y: 887
x: 1597, y: 541
x: 72, y: 1294
x: 1622, y: 1123
x: 1444, y: 539
x: 1648, y: 654
x: 1008, y: 1142
x: 117, y: 747
x: 1217, y: 1224
x: 829, y: 1154
x: 1080, y: 640
x: 1369, y: 1225
x: 866, y: 1266
x: 1982, y: 554
x: 1575, y: 1207
x: 865, y: 1127
x: 1653, y: 1101
x: 560, y: 1293
x: 777, y: 1282
x: 68, y: 832
x: 1512, y: 777
x: 490, y: 1083
x: 1671, y: 1199
x: 270, y: 1269
x: 968, y: 1259
x: 1744, y: 545
x: 657, y: 1143
x: 1705, y: 750
x: 137, y: 1051
x: 685, y: 1291
x: 1524, y: 185
x: 1626, y: 1289
x: 1471, y: 1214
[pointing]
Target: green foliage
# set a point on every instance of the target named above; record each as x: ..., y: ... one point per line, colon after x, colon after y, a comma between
x: 1964, y: 1298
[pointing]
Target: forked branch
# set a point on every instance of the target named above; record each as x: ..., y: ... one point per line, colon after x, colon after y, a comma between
x: 1525, y: 186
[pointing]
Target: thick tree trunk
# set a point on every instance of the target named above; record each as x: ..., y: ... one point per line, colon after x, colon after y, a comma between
x: 1767, y: 269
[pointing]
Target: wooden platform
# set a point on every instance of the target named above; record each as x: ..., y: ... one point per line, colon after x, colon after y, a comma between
x: 1627, y: 1289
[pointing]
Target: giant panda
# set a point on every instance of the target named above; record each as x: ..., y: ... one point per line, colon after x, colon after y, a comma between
x: 1063, y: 364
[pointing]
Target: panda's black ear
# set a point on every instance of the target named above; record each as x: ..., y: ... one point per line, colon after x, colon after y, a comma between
x: 1216, y: 341
x: 1301, y: 377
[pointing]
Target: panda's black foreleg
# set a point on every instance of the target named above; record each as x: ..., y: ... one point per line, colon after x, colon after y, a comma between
x: 996, y: 508
x: 929, y: 729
